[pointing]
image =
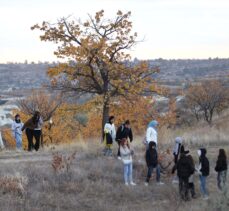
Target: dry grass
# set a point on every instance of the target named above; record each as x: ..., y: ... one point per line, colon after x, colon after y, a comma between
x: 93, y: 182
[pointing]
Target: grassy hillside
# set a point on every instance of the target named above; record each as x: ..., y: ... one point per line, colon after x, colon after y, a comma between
x: 94, y: 182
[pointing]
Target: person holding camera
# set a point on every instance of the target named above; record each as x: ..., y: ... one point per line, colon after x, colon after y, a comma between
x: 126, y: 156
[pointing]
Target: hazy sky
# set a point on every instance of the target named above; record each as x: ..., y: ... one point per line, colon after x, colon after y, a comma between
x: 171, y: 28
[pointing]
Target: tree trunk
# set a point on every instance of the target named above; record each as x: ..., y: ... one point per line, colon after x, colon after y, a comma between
x: 106, y: 109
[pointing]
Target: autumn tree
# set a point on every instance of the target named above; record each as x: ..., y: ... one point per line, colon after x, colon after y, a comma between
x: 96, y: 58
x: 207, y: 98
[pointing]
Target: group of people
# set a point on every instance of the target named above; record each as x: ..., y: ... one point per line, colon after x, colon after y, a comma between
x: 33, y: 129
x: 125, y: 153
x: 184, y: 165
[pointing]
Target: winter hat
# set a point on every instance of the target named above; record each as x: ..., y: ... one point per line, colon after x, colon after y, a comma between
x: 203, y: 151
x: 153, y: 124
x: 178, y: 140
x: 182, y: 151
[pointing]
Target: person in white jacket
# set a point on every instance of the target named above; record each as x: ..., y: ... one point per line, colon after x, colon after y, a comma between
x: 17, y: 131
x: 151, y: 133
x: 126, y: 156
x: 1, y: 142
x: 109, y: 136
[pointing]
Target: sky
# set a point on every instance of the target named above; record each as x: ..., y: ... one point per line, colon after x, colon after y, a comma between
x: 171, y: 29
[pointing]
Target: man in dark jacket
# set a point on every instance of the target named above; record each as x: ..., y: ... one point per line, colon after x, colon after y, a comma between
x: 184, y: 170
x: 124, y: 131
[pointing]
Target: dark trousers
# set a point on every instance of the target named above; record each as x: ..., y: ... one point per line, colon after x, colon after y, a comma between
x: 37, y: 135
x: 118, y: 149
x: 183, y: 187
x: 175, y: 164
x: 191, y: 187
x: 150, y: 171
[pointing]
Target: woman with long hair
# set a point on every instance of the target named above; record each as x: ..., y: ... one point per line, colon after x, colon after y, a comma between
x: 221, y: 168
x: 33, y: 129
x: 126, y: 156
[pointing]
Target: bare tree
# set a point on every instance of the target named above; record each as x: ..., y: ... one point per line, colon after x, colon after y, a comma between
x: 206, y: 98
x: 42, y: 101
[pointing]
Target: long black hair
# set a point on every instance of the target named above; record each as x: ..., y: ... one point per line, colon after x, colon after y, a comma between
x: 36, y: 117
x: 17, y: 120
x: 222, y: 155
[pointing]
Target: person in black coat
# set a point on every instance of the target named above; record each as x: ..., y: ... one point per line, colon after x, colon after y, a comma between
x: 185, y: 169
x: 203, y: 171
x: 124, y: 131
x: 221, y: 168
x: 152, y: 163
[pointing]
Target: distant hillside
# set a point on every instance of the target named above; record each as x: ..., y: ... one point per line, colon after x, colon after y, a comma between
x: 22, y: 76
x: 19, y: 77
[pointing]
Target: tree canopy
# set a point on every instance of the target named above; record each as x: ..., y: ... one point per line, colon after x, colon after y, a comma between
x: 96, y: 58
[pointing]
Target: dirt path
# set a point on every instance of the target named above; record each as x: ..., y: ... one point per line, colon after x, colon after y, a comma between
x: 7, y: 157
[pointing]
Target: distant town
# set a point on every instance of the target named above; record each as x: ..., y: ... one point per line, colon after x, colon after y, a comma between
x: 18, y: 78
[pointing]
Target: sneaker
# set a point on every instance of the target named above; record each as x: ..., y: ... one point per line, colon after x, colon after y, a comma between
x: 119, y: 158
x: 133, y: 184
x: 160, y: 183
x: 146, y: 184
x: 194, y: 197
x: 205, y: 198
x: 126, y: 184
x: 175, y: 181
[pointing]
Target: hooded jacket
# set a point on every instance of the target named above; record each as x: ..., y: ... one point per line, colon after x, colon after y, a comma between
x: 204, y: 163
x: 176, y: 149
x: 151, y: 132
x: 151, y: 156
x: 185, y: 166
x: 221, y: 164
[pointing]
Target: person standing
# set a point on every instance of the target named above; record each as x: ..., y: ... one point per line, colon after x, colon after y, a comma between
x: 126, y: 156
x: 152, y: 163
x: 203, y: 171
x: 151, y: 133
x: 221, y: 169
x: 109, y: 136
x: 2, y: 146
x: 32, y: 129
x: 191, y: 185
x: 124, y: 131
x: 17, y: 131
x: 184, y: 170
x: 176, y: 153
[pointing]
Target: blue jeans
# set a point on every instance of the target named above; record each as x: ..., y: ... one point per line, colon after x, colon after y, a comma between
x: 150, y: 171
x: 18, y: 138
x: 203, y: 187
x: 128, y: 169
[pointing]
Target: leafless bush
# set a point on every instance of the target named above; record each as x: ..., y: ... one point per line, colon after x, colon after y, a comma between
x: 61, y: 163
x: 13, y: 184
x: 42, y: 101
